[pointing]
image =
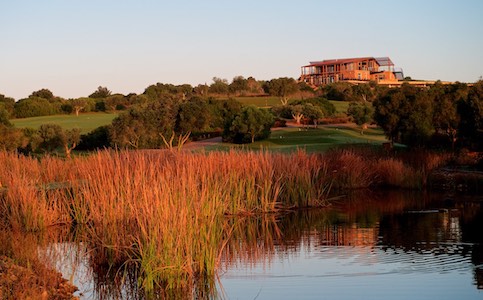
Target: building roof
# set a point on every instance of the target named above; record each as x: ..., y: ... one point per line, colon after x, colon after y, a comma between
x: 382, y: 61
x: 338, y: 61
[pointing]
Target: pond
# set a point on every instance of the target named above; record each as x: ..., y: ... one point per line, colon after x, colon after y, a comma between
x: 368, y: 245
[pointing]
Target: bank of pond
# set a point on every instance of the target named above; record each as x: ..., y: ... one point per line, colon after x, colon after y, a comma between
x: 165, y: 223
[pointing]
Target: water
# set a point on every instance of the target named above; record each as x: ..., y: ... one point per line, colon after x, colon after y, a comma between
x: 367, y: 246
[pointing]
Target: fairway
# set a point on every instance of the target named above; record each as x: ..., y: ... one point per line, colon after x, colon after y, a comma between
x: 311, y: 140
x: 269, y: 101
x: 86, y: 122
x: 259, y: 101
x: 340, y: 106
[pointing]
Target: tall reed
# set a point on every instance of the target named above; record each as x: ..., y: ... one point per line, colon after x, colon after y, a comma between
x: 164, y: 212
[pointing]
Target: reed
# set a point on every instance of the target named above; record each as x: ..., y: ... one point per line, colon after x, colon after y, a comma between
x: 164, y: 212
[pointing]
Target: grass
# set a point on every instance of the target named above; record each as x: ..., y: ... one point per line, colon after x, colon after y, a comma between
x: 322, y: 139
x: 164, y: 212
x: 260, y: 101
x: 340, y: 106
x: 161, y: 211
x: 269, y: 101
x: 86, y: 122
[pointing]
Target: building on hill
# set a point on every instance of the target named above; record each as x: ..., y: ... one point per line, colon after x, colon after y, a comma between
x: 353, y: 70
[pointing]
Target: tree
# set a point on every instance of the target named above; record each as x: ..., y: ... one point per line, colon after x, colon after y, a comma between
x: 201, y: 89
x: 219, y: 86
x: 254, y: 87
x: 10, y: 137
x: 252, y: 123
x: 69, y: 139
x: 143, y: 126
x: 361, y: 113
x: 114, y: 102
x: 362, y: 92
x: 327, y: 107
x: 50, y: 137
x: 43, y: 93
x: 405, y: 115
x: 194, y: 115
x: 339, y: 91
x: 8, y: 104
x: 282, y: 87
x: 445, y: 115
x: 223, y: 112
x: 238, y: 86
x: 471, y: 114
x: 34, y: 107
x: 312, y: 113
x: 96, y: 139
x: 297, y: 112
x: 78, y: 105
x: 4, y: 120
x: 101, y: 92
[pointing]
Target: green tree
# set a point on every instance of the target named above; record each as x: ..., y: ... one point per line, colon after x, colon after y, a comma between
x: 115, y: 102
x: 10, y: 137
x: 219, y: 86
x: 312, y: 113
x: 223, y: 112
x: 78, y: 104
x: 445, y: 114
x: 34, y: 107
x: 238, y: 86
x: 194, y: 115
x: 282, y: 87
x: 4, y: 120
x: 69, y: 139
x: 254, y: 87
x: 201, y: 90
x: 101, y: 92
x: 50, y: 137
x: 8, y: 104
x: 283, y: 111
x: 252, y: 123
x: 327, y: 107
x: 339, y: 91
x: 297, y: 112
x: 361, y: 113
x: 143, y: 126
x: 43, y: 93
x: 362, y: 92
x: 405, y: 115
x: 471, y: 115
x: 96, y: 139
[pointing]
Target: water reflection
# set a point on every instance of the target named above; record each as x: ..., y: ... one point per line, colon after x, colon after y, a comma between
x: 367, y: 244
x: 406, y: 245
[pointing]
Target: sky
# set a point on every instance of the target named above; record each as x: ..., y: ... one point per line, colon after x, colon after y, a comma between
x: 71, y: 46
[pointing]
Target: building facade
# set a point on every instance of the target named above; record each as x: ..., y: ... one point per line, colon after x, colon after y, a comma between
x: 354, y: 70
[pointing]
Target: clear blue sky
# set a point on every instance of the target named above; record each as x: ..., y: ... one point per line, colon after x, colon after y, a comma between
x: 72, y: 47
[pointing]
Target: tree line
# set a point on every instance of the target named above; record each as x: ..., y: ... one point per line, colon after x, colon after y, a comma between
x: 166, y: 115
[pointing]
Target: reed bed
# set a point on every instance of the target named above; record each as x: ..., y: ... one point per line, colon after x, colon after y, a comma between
x: 165, y: 212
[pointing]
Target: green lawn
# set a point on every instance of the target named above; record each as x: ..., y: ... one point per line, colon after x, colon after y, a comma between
x: 268, y: 101
x: 259, y: 101
x: 86, y: 122
x: 311, y: 140
x: 340, y: 106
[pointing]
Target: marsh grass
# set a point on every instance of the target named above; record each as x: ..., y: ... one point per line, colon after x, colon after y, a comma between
x: 165, y: 213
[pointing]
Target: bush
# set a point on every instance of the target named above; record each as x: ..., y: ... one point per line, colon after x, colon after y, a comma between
x: 96, y: 139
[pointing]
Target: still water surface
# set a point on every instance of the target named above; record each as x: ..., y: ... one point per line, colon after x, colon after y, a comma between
x: 366, y: 246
